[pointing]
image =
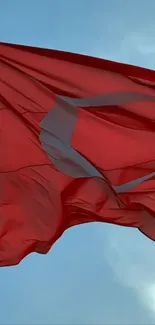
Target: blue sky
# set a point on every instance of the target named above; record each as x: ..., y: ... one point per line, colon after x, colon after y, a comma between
x: 95, y: 274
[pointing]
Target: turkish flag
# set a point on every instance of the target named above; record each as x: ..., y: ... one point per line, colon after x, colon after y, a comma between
x: 76, y: 134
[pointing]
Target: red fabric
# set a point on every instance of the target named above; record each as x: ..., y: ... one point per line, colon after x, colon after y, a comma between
x: 37, y: 202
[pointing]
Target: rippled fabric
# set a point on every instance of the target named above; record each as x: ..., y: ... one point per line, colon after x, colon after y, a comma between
x: 77, y: 139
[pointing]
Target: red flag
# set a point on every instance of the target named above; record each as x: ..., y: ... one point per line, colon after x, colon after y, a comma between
x: 74, y: 130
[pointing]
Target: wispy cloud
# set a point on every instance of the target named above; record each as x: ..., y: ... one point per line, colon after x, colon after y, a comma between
x: 132, y: 258
x: 137, y: 47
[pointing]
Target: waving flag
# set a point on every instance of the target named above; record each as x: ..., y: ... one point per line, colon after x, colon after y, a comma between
x: 77, y: 141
